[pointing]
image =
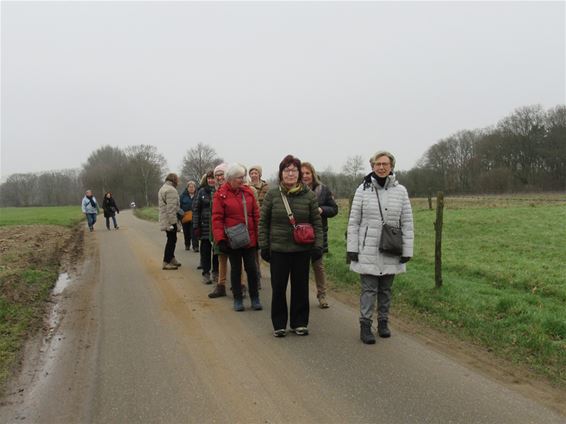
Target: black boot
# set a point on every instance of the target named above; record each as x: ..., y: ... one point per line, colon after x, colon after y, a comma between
x: 383, y: 329
x: 366, y: 335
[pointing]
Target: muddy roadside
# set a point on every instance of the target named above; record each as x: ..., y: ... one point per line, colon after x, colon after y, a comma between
x: 68, y: 299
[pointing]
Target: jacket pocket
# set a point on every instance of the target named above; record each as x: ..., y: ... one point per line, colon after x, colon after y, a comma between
x: 365, y: 236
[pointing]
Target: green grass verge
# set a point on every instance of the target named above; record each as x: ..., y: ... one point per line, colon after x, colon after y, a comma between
x: 149, y: 213
x: 67, y: 216
x: 504, y: 279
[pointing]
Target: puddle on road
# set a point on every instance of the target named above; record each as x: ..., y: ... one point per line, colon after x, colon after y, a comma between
x: 62, y: 282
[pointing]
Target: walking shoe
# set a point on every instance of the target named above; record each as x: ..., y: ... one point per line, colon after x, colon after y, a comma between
x: 383, y: 329
x: 322, y: 303
x: 91, y: 229
x: 168, y: 265
x: 256, y: 305
x: 280, y: 333
x: 219, y: 291
x: 366, y: 335
x: 116, y: 227
x: 175, y: 262
x: 301, y: 331
x: 108, y: 228
x: 187, y: 247
x: 206, y: 278
x: 238, y: 305
x: 195, y: 249
x: 199, y: 266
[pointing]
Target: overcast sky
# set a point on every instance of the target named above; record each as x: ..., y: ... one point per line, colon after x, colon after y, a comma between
x: 258, y: 80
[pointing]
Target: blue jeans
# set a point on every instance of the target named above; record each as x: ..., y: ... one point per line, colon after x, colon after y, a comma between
x: 91, y: 220
x: 113, y: 220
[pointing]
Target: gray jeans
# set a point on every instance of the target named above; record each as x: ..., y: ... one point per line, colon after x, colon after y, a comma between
x: 375, y: 286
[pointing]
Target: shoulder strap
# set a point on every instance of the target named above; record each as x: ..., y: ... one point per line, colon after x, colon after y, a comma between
x: 287, y: 208
x: 379, y: 204
x: 245, y: 209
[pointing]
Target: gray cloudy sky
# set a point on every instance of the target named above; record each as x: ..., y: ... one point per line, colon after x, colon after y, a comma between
x: 258, y: 80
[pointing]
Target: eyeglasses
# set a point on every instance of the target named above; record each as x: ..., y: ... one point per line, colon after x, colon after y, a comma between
x: 382, y: 164
x: 291, y: 171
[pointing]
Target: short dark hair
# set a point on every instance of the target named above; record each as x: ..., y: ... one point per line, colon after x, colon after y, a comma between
x: 287, y: 161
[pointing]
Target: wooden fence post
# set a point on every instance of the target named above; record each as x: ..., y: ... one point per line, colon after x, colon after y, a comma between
x: 429, y: 201
x: 438, y: 240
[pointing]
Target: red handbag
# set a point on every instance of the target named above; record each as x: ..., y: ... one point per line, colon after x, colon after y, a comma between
x: 302, y: 233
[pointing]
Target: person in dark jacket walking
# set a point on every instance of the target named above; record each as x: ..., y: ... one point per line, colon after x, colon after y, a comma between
x: 202, y: 212
x: 285, y: 255
x: 328, y: 209
x: 110, y: 210
x: 186, y: 200
x: 235, y: 205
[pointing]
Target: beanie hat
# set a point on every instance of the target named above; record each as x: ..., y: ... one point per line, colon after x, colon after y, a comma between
x: 221, y: 168
x: 257, y: 168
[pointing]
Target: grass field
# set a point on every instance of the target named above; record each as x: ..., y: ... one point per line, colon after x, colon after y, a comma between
x: 55, y: 215
x: 504, y: 276
x: 150, y: 213
x: 29, y: 267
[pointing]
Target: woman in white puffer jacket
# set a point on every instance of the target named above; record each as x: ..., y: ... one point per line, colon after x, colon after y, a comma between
x: 377, y: 270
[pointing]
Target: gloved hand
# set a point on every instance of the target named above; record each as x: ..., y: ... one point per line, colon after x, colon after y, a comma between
x: 171, y: 228
x: 196, y: 231
x: 352, y: 256
x: 316, y: 254
x: 223, y: 246
x: 265, y: 255
x: 404, y: 259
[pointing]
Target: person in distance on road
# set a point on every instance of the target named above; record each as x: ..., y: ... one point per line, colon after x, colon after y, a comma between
x: 285, y: 255
x: 90, y: 209
x: 235, y: 205
x: 378, y: 191
x: 169, y: 204
x: 110, y: 210
x: 328, y: 209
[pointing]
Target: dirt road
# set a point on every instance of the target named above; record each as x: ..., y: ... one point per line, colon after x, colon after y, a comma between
x: 131, y: 343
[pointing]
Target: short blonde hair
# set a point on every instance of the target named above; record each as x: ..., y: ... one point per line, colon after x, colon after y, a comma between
x: 379, y: 154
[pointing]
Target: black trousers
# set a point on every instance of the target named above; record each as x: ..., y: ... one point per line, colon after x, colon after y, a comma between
x: 296, y: 265
x: 170, y: 245
x: 250, y: 265
x: 188, y: 233
x: 208, y: 260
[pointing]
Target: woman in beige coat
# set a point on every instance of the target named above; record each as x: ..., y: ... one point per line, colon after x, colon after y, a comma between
x: 169, y: 205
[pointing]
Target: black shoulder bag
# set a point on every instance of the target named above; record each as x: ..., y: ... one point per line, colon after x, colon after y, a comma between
x: 391, y: 241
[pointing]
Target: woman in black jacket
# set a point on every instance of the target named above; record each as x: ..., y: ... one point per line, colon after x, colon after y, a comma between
x: 202, y: 212
x: 328, y: 209
x: 110, y: 210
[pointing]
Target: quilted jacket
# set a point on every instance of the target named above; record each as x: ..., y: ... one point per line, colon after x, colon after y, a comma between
x: 364, y: 225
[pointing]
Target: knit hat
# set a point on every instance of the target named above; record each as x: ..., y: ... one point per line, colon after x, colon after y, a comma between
x: 257, y: 168
x: 221, y: 168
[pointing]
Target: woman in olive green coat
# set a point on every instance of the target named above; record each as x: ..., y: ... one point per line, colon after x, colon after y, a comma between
x: 286, y: 257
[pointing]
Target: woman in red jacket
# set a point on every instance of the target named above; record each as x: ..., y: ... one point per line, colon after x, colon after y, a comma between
x: 235, y: 208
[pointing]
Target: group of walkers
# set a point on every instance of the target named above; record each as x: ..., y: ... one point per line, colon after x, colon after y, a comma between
x: 234, y: 216
x: 91, y: 209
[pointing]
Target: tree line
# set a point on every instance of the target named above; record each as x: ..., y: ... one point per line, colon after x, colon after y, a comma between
x: 525, y: 151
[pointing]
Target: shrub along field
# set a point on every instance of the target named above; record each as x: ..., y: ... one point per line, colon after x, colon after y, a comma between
x: 29, y: 265
x: 504, y: 275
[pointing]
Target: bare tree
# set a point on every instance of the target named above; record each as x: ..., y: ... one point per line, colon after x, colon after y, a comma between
x: 353, y: 167
x: 146, y: 168
x: 198, y: 160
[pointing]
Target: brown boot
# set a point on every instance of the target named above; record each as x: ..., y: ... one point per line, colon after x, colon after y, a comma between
x: 219, y: 291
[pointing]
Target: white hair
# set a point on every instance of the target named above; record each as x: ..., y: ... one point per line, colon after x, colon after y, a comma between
x: 235, y: 170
